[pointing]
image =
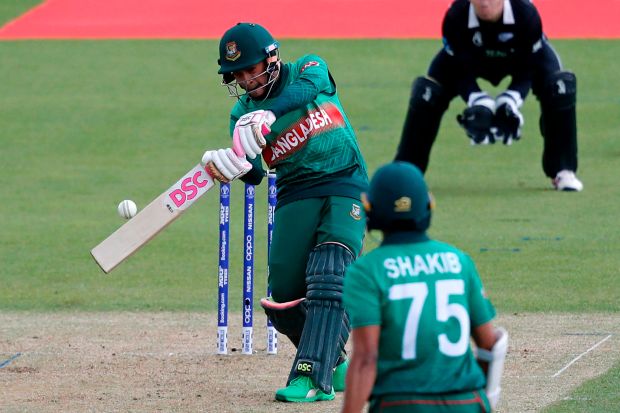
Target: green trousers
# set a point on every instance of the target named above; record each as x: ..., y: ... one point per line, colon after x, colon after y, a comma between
x: 468, y: 402
x: 299, y: 227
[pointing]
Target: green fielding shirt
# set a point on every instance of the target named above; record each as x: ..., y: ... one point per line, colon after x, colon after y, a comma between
x: 313, y: 147
x: 427, y: 296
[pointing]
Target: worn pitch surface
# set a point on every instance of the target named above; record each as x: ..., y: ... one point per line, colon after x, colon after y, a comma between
x: 167, y: 362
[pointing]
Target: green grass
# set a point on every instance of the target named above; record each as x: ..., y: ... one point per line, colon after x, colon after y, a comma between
x: 10, y: 9
x: 598, y: 395
x: 85, y: 124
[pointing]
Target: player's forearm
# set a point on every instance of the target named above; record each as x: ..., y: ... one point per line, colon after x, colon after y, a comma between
x: 360, y: 380
x: 484, y: 337
x: 254, y: 177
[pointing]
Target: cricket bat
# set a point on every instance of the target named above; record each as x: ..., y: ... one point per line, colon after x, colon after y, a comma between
x: 152, y: 219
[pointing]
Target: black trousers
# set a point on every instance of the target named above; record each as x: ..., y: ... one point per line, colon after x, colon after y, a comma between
x: 558, y: 125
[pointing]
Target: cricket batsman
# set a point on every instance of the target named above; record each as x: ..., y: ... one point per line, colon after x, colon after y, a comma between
x: 290, y: 114
x: 495, y: 40
x: 414, y: 305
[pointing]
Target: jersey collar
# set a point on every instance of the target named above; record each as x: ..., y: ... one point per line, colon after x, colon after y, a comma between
x: 507, y: 18
x: 404, y: 237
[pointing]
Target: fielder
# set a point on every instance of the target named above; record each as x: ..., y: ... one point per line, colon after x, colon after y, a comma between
x: 493, y: 40
x: 291, y: 115
x: 414, y: 303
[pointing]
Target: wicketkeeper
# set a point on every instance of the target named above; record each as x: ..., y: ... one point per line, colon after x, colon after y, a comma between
x: 291, y: 115
x: 414, y: 303
x: 493, y: 40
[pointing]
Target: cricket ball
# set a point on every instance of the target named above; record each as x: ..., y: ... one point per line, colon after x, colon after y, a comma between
x: 127, y: 209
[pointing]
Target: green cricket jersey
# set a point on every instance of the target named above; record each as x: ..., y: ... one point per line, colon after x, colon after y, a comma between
x: 427, y: 297
x: 312, y: 147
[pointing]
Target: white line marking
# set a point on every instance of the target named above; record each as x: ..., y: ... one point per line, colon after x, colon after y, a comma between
x: 9, y: 360
x: 581, y: 355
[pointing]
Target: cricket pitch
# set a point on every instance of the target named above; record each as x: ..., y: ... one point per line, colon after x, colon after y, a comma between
x: 107, y: 362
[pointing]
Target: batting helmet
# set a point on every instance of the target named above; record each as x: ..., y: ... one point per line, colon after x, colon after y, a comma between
x: 398, y: 199
x: 243, y: 46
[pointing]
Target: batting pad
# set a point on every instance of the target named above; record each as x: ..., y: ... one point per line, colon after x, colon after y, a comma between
x: 326, y: 329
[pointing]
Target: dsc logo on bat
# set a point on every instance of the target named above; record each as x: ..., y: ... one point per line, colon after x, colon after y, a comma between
x: 189, y: 188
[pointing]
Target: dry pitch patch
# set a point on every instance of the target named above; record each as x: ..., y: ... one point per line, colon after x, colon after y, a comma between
x: 135, y: 362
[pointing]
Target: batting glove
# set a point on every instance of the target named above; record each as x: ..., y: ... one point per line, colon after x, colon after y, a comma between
x: 508, y: 120
x: 224, y: 165
x: 477, y: 118
x: 250, y: 130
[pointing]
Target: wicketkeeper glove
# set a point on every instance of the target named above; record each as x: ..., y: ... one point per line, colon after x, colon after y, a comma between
x: 477, y: 118
x: 225, y: 165
x: 508, y: 120
x: 251, y: 129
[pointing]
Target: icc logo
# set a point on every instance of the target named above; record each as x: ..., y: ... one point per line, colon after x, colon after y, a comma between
x: 225, y: 191
x: 272, y: 190
x: 250, y: 191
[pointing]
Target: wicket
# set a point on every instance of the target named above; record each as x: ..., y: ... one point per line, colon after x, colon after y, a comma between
x: 248, y: 267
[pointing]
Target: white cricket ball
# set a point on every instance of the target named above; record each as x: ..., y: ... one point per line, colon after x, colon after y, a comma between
x: 127, y: 209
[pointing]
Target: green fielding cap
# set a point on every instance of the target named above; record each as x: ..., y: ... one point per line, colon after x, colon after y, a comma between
x: 398, y: 196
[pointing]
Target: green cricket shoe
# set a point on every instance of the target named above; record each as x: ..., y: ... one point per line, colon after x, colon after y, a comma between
x: 340, y: 374
x: 301, y: 390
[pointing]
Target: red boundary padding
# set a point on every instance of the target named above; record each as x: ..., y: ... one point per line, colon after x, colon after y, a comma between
x: 198, y: 19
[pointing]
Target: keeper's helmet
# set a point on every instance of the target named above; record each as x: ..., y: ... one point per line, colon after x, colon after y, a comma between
x: 398, y: 199
x: 245, y: 45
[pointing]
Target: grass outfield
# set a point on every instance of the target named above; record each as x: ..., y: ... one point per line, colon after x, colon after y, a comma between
x: 598, y: 395
x: 9, y: 9
x: 86, y: 124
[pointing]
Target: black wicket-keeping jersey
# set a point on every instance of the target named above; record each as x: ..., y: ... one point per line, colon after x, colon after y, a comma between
x: 494, y: 50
